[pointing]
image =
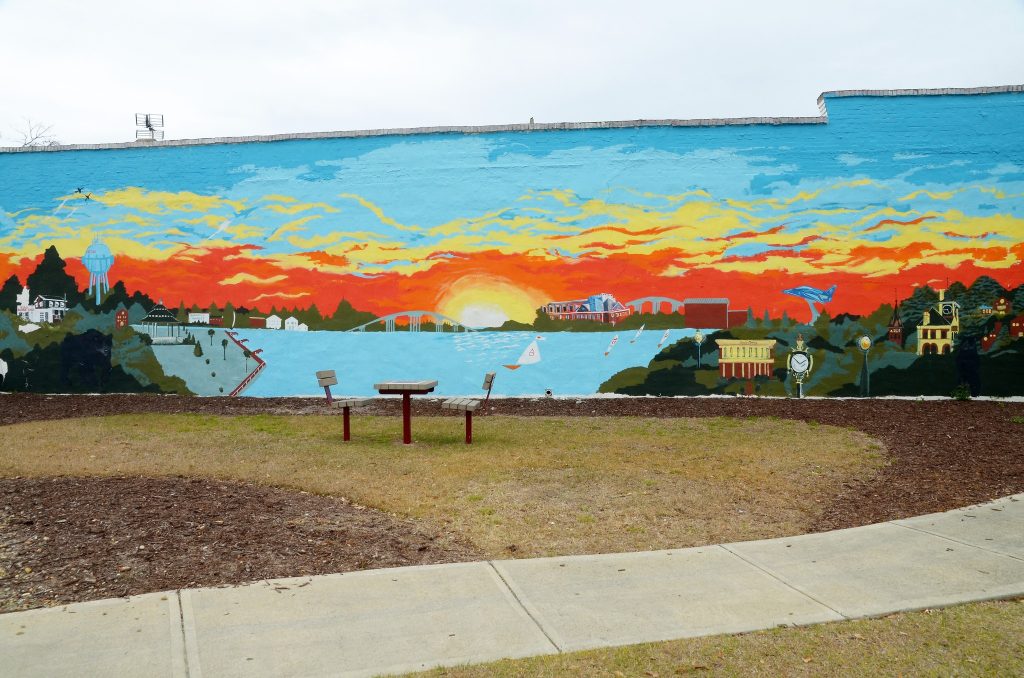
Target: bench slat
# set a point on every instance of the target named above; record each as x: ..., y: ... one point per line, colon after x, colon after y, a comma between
x: 324, y: 374
x: 461, y: 404
x: 351, y: 402
x: 327, y: 381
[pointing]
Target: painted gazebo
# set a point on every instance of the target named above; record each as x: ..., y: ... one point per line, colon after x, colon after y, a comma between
x: 162, y: 326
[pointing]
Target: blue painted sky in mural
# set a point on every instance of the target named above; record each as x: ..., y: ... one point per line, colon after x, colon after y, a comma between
x: 412, y: 190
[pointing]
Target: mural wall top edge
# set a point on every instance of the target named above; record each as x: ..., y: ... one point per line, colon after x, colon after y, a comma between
x: 822, y: 118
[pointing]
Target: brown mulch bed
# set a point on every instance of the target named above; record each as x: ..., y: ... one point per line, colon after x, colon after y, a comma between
x: 81, y: 537
x: 71, y: 539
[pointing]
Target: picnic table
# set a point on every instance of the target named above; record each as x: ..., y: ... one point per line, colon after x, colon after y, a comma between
x: 406, y: 389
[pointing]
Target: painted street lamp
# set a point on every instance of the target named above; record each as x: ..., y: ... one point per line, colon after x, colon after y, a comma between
x: 698, y: 337
x: 864, y: 343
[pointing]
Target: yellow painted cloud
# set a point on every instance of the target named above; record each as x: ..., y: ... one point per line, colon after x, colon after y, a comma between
x: 239, y: 278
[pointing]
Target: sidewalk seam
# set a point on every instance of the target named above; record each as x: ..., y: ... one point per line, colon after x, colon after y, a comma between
x: 783, y: 581
x: 192, y: 667
x: 956, y: 541
x: 181, y: 629
x: 515, y: 596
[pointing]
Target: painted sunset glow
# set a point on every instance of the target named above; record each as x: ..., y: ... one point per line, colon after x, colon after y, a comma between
x: 486, y: 228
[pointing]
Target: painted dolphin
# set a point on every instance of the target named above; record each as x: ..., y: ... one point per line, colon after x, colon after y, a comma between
x: 812, y: 295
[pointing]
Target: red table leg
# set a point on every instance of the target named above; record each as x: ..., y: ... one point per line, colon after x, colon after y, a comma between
x: 347, y: 430
x: 469, y: 426
x: 406, y: 418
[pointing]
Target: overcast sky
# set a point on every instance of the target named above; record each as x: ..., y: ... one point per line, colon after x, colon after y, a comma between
x: 218, y: 68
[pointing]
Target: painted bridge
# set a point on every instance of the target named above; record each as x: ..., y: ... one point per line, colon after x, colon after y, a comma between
x: 656, y: 304
x: 414, y: 319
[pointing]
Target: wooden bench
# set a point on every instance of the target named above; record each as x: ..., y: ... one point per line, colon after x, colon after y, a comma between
x: 470, y: 405
x: 327, y: 379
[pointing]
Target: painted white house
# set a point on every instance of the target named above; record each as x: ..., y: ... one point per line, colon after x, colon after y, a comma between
x: 303, y: 327
x: 42, y: 310
x: 291, y: 323
x: 273, y: 322
x: 199, y: 318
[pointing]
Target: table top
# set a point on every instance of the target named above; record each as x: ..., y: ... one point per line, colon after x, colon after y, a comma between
x: 406, y: 386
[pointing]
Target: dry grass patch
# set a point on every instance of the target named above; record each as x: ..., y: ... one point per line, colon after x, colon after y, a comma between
x: 526, y: 487
x: 980, y: 639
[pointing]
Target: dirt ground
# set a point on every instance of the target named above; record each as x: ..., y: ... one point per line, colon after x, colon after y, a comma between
x: 71, y: 539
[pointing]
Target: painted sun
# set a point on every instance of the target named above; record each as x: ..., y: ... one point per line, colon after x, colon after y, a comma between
x: 484, y: 300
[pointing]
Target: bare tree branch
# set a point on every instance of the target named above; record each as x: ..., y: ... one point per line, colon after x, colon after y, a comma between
x: 36, y: 134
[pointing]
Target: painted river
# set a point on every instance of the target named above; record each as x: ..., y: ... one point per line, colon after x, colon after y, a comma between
x: 572, y: 363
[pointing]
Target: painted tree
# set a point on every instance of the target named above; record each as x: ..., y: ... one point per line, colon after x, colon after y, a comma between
x: 198, y: 351
x: 50, y: 278
x: 9, y: 294
x: 211, y: 333
x: 248, y: 354
x: 224, y: 345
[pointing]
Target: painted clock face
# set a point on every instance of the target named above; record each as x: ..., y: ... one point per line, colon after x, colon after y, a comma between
x: 798, y: 362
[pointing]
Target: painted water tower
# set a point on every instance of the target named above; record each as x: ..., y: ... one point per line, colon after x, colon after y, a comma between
x: 97, y: 260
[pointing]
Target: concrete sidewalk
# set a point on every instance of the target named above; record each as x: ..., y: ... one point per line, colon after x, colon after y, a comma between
x: 406, y: 619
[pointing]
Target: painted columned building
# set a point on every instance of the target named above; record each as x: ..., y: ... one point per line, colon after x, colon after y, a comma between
x: 745, y: 358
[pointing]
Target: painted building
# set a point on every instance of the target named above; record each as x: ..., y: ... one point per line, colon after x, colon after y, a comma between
x: 1017, y: 327
x: 1002, y: 307
x: 291, y: 323
x: 939, y: 327
x: 882, y: 193
x: 216, y: 321
x: 989, y: 339
x: 42, y: 309
x: 257, y: 321
x: 199, y: 318
x: 745, y: 358
x: 602, y: 308
x: 895, y: 333
x: 712, y: 313
x: 121, y: 318
x: 273, y: 322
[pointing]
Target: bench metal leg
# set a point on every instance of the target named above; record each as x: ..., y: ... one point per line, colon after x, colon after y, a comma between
x: 347, y: 432
x: 327, y: 390
x: 469, y: 426
x: 406, y: 418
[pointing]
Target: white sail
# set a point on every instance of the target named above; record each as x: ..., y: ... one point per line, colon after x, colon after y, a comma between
x: 638, y: 333
x: 615, y: 340
x: 3, y: 370
x: 664, y: 338
x: 530, y: 356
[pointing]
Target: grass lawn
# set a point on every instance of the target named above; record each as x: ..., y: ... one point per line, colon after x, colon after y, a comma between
x: 526, y: 487
x: 979, y: 639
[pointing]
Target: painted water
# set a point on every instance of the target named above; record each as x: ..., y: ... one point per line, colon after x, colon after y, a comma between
x: 572, y: 363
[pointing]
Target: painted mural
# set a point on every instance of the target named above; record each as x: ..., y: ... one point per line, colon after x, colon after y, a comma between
x: 877, y: 253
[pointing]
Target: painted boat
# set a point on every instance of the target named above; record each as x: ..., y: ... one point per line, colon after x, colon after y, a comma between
x: 663, y: 339
x: 530, y: 356
x: 638, y: 333
x: 608, y: 350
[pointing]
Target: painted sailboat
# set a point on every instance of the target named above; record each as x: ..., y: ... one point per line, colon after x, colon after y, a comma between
x: 608, y: 350
x: 663, y: 339
x: 530, y: 356
x: 638, y: 333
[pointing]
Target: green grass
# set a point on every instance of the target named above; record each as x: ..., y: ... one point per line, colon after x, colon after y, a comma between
x: 979, y: 639
x: 528, y: 486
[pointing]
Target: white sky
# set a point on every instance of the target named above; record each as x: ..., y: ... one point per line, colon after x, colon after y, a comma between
x: 261, y: 67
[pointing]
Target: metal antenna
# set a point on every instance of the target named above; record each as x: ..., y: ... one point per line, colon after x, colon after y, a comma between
x: 149, y: 125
